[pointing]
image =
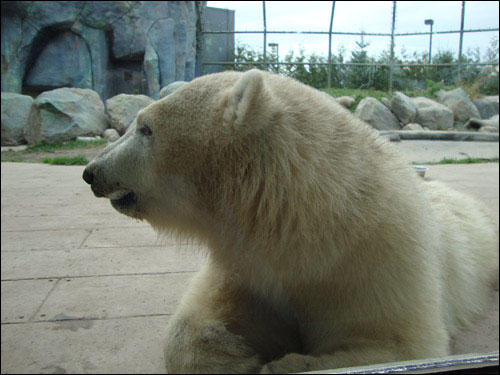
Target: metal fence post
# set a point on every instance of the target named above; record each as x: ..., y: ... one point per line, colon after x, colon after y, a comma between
x: 330, y: 48
x: 459, y: 73
x: 430, y: 22
x: 391, y: 62
x: 199, y: 65
x: 265, y: 34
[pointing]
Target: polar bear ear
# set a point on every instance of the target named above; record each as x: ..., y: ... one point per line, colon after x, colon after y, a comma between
x: 245, y: 99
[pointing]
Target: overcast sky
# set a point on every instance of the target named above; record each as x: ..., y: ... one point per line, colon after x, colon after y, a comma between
x: 370, y: 16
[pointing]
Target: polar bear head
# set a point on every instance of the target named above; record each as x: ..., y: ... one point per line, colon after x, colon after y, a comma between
x: 170, y: 164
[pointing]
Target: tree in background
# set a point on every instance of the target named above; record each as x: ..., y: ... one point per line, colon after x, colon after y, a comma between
x: 445, y: 74
x: 310, y: 69
x: 360, y: 76
x: 488, y: 79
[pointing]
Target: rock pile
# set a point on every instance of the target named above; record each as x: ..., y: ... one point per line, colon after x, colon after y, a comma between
x: 404, y: 113
x: 68, y: 113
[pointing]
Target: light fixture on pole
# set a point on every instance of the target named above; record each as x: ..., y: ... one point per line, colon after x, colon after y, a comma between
x: 274, y: 46
x: 430, y: 22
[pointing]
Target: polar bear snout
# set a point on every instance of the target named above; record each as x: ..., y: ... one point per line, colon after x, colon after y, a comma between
x: 122, y: 199
x: 88, y: 176
x: 100, y: 187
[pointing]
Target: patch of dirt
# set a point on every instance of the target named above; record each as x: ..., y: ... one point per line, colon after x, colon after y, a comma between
x: 37, y: 157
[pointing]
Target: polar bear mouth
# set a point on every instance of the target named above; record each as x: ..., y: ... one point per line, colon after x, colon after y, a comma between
x: 122, y: 200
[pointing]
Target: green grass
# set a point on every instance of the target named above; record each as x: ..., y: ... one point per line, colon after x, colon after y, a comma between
x: 77, y: 160
x: 13, y: 159
x: 17, y: 156
x: 354, y: 93
x: 462, y: 161
x: 68, y: 145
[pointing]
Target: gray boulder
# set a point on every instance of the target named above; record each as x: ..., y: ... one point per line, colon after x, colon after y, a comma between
x: 458, y: 101
x: 15, y: 111
x: 64, y: 114
x: 403, y: 108
x: 478, y: 124
x: 413, y: 126
x: 488, y: 129
x: 345, y: 101
x: 432, y: 114
x: 111, y: 135
x: 88, y: 139
x: 386, y: 102
x: 487, y: 106
x: 376, y: 114
x: 122, y: 110
x: 167, y: 90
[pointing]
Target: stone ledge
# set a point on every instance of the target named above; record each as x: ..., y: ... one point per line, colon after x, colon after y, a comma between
x: 437, y: 135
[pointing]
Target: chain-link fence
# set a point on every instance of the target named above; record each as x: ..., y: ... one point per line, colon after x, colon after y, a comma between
x: 393, y: 71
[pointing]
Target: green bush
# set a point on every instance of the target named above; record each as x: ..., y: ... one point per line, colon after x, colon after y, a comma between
x: 420, y: 80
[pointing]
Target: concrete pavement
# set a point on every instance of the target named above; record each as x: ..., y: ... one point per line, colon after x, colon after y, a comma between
x: 87, y: 290
x: 435, y: 151
x: 84, y: 289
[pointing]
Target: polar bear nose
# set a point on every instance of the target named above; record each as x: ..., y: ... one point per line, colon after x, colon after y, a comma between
x: 88, y: 176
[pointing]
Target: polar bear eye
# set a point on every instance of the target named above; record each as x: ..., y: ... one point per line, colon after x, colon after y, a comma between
x: 145, y: 131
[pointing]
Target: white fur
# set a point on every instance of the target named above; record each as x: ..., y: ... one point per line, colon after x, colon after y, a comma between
x: 326, y: 249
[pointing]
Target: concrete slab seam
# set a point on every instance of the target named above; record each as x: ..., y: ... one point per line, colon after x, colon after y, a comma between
x: 45, y: 299
x: 91, y: 276
x: 85, y: 239
x: 87, y: 319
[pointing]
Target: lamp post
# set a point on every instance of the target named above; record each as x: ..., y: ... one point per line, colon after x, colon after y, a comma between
x: 430, y: 22
x: 275, y: 46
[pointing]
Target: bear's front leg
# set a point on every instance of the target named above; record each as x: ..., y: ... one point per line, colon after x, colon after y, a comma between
x: 295, y: 362
x: 205, y: 347
x: 199, y: 339
x: 357, y: 355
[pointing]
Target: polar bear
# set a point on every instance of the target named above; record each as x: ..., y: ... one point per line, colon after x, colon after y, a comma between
x: 325, y: 248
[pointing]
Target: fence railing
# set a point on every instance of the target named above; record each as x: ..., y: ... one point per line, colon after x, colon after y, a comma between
x: 391, y: 64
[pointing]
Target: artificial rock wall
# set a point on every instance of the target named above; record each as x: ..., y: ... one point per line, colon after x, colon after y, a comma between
x: 111, y: 47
